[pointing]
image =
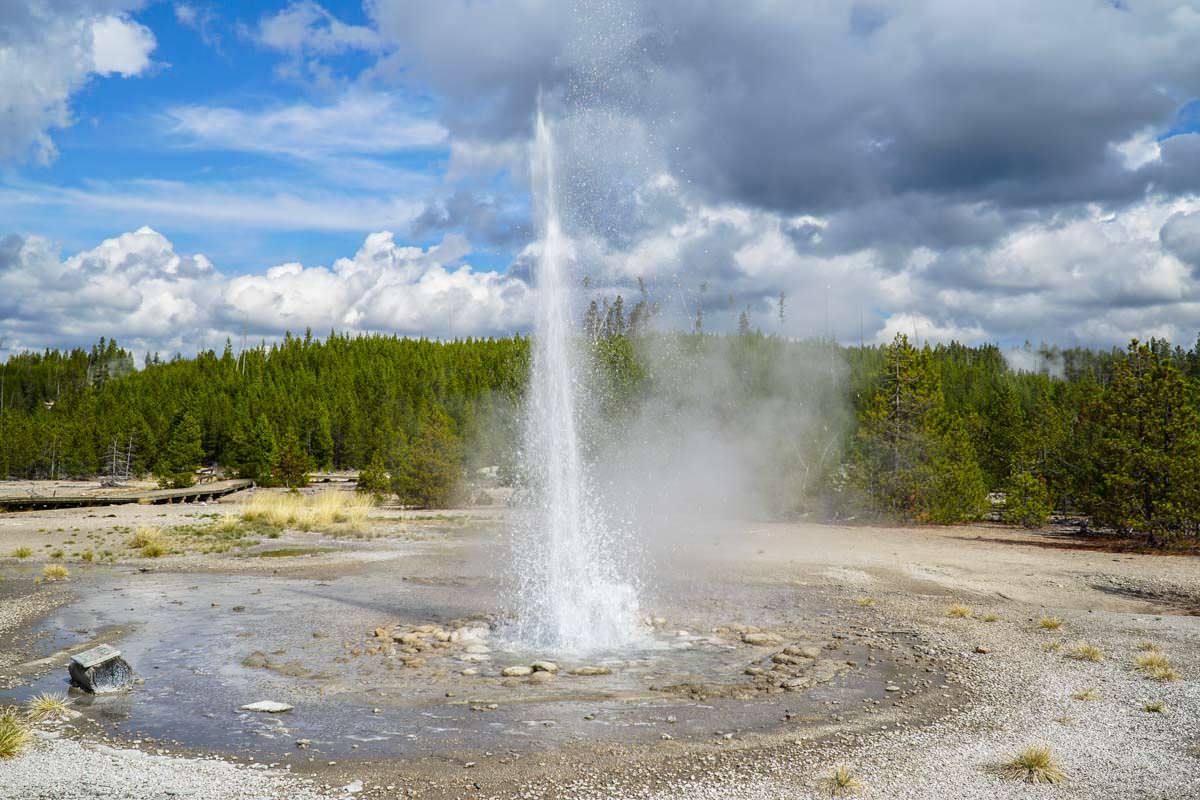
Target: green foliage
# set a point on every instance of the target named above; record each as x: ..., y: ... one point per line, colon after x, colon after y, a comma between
x: 913, y: 457
x: 291, y: 463
x: 429, y: 469
x: 373, y: 479
x: 183, y: 452
x: 252, y: 450
x: 1147, y: 449
x: 1026, y: 501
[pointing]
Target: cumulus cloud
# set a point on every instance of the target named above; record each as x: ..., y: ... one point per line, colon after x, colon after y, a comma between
x: 136, y: 287
x: 48, y: 50
x: 307, y: 26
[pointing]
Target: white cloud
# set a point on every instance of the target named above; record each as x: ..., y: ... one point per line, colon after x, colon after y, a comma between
x: 306, y: 26
x: 1139, y: 150
x: 121, y: 46
x: 359, y: 122
x: 137, y: 288
x: 48, y: 57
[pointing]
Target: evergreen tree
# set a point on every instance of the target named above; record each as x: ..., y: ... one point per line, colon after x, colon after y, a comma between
x: 252, y: 452
x: 291, y: 464
x: 373, y: 479
x: 913, y: 457
x: 176, y: 467
x: 430, y: 468
x: 1147, y: 450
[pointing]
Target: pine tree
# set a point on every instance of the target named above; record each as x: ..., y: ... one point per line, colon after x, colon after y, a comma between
x: 373, y: 479
x: 913, y: 457
x: 176, y: 467
x: 430, y: 468
x: 291, y: 464
x: 252, y: 452
x: 1147, y: 450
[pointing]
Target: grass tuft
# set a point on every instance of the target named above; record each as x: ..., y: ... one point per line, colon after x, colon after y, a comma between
x: 865, y: 602
x: 1154, y: 664
x: 842, y: 782
x: 1053, y: 647
x: 1034, y: 765
x: 991, y: 616
x: 14, y: 734
x: 1148, y: 647
x: 958, y: 611
x: 1086, y: 694
x: 22, y: 552
x: 1154, y: 707
x: 1050, y: 623
x: 1086, y: 652
x: 47, y: 706
x: 55, y: 572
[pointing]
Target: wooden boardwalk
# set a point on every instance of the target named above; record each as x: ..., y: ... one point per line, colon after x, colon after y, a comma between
x: 192, y: 494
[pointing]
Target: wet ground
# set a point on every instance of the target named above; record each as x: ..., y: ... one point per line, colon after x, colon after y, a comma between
x: 333, y: 636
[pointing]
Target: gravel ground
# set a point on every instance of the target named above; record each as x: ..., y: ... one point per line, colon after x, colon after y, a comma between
x: 64, y: 769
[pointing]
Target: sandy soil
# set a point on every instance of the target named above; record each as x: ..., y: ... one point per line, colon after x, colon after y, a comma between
x: 915, y: 702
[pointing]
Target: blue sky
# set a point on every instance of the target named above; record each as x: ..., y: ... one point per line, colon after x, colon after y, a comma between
x: 125, y: 136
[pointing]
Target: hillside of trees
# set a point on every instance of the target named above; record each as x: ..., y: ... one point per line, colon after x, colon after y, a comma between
x: 927, y: 434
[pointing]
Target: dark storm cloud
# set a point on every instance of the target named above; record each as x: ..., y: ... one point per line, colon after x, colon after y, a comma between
x: 821, y: 108
x: 485, y: 219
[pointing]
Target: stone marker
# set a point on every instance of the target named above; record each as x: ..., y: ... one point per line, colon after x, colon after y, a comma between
x: 100, y: 670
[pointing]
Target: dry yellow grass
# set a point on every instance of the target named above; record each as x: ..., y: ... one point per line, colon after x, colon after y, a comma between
x: 308, y: 512
x: 991, y: 616
x: 14, y: 734
x: 1086, y: 652
x: 1050, y: 623
x: 55, y: 572
x: 1148, y: 647
x: 1034, y: 765
x: 958, y: 611
x: 1053, y: 647
x: 1086, y: 694
x: 865, y: 602
x: 1154, y: 664
x: 842, y: 782
x: 47, y: 706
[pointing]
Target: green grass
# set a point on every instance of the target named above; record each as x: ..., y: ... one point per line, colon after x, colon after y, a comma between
x: 286, y: 552
x: 1034, y: 765
x: 1154, y: 707
x: 22, y: 552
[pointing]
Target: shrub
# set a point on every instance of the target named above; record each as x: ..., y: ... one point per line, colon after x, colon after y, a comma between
x: 1034, y: 765
x: 1026, y: 501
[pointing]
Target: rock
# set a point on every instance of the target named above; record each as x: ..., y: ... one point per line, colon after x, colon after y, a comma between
x: 256, y: 659
x: 760, y: 639
x: 891, y: 688
x: 516, y: 672
x: 441, y: 636
x: 541, y: 677
x: 478, y: 648
x: 354, y: 787
x: 267, y: 707
x: 544, y: 666
x: 476, y: 658
x: 754, y: 670
x: 982, y: 650
x: 589, y: 671
x: 407, y: 638
x: 413, y: 661
x: 303, y: 744
x: 382, y: 633
x: 470, y: 672
x: 804, y: 652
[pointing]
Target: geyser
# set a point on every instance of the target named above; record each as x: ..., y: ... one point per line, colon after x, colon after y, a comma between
x: 573, y: 597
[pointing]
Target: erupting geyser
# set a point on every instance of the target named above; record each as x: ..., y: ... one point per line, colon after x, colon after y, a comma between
x: 573, y: 598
